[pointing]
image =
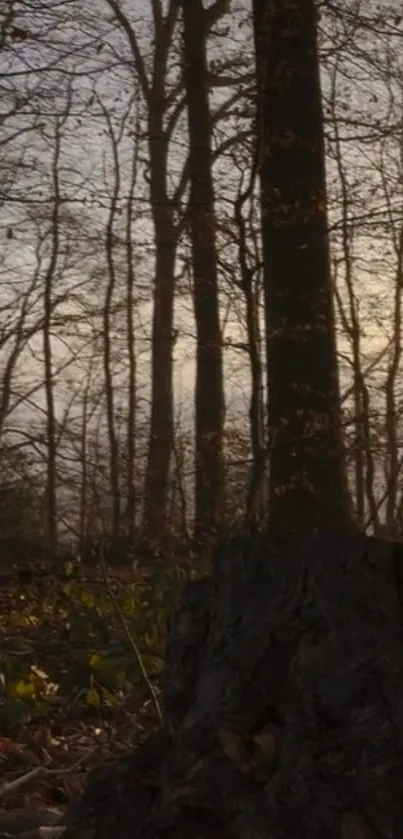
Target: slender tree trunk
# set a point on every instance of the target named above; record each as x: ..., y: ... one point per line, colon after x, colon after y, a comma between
x: 156, y: 484
x: 209, y: 371
x: 131, y: 352
x: 162, y: 416
x: 86, y: 505
x: 393, y: 376
x: 155, y: 91
x: 308, y: 487
x: 83, y: 506
x: 50, y: 518
x: 114, y: 477
x: 251, y: 290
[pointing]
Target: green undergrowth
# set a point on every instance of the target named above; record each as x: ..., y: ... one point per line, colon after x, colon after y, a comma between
x: 87, y: 640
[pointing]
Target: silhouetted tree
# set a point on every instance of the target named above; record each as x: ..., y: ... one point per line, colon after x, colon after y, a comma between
x: 308, y: 487
x: 209, y: 365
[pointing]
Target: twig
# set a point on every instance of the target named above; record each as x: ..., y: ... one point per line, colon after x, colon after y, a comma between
x: 41, y: 832
x: 130, y: 640
x: 11, y: 786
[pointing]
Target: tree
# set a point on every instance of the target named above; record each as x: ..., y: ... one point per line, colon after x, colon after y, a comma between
x: 51, y: 529
x: 304, y: 406
x: 209, y: 401
x: 41, y: 212
x: 163, y: 109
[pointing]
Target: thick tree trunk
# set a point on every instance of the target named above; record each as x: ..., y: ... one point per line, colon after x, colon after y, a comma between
x: 209, y: 418
x: 308, y: 487
x: 282, y: 695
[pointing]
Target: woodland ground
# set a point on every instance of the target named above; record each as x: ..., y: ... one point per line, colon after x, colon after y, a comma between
x: 282, y: 692
x: 80, y: 656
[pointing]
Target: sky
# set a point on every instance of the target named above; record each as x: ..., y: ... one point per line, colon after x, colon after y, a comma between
x: 86, y: 179
x: 96, y: 79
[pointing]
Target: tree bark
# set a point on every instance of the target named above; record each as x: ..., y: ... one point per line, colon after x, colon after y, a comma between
x: 209, y: 365
x: 250, y: 285
x: 282, y: 703
x: 131, y: 425
x: 166, y: 242
x: 107, y: 338
x: 161, y: 436
x: 308, y: 487
x: 50, y: 495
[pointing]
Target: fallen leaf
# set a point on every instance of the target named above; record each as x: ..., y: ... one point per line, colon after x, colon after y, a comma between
x: 268, y: 743
x: 235, y: 747
x: 353, y: 826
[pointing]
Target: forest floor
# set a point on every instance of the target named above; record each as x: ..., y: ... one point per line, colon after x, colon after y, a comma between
x: 281, y: 689
x: 80, y: 657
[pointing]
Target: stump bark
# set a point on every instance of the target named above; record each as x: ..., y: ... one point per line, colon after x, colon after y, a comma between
x: 283, y: 703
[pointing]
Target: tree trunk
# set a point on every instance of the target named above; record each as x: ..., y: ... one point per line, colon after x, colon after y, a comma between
x: 50, y: 495
x: 162, y: 418
x: 161, y: 439
x: 282, y: 703
x: 250, y: 286
x: 113, y: 529
x: 209, y: 365
x: 156, y: 91
x: 308, y: 487
x: 131, y: 425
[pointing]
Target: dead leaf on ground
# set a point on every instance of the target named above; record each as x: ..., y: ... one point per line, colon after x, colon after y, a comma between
x: 353, y: 826
x: 268, y: 742
x: 236, y: 747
